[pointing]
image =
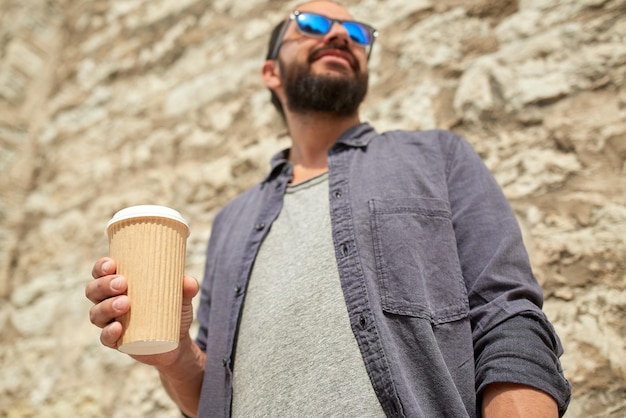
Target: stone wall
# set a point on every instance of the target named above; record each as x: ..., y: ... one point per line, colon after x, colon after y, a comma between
x: 105, y: 104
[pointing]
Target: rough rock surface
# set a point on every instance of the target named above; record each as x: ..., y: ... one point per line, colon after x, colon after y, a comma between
x: 105, y: 104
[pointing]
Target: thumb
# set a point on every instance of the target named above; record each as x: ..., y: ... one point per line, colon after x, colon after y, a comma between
x: 190, y: 289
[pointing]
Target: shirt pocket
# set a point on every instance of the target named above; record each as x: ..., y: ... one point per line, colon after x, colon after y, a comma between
x: 416, y: 259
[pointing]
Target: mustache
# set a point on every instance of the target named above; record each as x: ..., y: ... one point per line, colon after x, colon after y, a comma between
x: 336, y: 47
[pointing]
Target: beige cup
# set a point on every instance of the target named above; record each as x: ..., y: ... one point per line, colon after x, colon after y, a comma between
x: 148, y: 243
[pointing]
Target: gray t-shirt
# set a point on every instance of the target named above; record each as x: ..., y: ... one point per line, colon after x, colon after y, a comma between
x: 296, y: 354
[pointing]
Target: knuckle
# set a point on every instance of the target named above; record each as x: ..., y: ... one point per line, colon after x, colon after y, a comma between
x: 95, y: 271
x: 99, y: 314
x: 103, y: 339
x: 94, y: 291
x: 107, y: 338
x: 93, y: 316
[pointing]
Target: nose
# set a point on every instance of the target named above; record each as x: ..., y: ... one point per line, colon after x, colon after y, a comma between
x: 338, y: 32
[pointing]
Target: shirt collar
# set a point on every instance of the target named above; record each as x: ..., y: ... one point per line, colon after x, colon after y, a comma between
x: 357, y: 136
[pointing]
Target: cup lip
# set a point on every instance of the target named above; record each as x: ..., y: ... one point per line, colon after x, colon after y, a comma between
x: 155, y: 211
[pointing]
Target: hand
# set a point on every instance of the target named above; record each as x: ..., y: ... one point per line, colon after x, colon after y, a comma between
x: 108, y: 293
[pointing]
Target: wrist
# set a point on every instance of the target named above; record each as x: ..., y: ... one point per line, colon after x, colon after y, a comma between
x: 182, y: 377
x: 189, y: 357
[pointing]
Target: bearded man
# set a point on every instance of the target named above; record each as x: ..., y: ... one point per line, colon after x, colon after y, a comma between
x: 382, y: 274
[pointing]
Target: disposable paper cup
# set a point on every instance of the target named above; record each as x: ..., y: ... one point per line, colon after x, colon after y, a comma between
x: 148, y: 243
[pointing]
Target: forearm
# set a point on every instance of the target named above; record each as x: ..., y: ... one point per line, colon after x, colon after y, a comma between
x: 183, y: 379
x: 517, y: 401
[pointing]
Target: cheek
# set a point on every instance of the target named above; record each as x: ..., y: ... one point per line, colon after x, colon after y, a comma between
x: 361, y: 54
x: 293, y: 56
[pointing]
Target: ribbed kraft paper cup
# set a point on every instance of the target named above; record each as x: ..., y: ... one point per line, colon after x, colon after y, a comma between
x: 148, y: 243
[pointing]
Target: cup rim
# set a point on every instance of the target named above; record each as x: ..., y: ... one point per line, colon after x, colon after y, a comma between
x: 155, y: 211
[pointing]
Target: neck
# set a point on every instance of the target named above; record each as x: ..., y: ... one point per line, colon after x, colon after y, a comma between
x: 312, y: 135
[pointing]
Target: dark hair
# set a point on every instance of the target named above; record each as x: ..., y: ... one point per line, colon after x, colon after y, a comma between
x: 273, y: 39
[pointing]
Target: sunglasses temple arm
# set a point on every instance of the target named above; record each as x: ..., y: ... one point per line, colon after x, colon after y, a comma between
x: 279, y: 40
x: 371, y: 46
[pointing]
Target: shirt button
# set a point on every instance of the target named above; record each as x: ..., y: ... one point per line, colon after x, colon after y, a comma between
x: 238, y: 289
x: 344, y: 250
x: 259, y: 226
x: 337, y: 194
x: 224, y: 362
x: 362, y: 321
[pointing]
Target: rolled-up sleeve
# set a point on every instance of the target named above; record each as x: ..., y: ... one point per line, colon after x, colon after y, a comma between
x: 513, y: 340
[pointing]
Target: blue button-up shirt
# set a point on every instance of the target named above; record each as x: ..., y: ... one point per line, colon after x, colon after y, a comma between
x: 438, y: 286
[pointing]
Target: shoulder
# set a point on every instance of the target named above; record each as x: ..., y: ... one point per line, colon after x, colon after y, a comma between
x: 242, y: 200
x: 435, y: 141
x: 240, y: 205
x: 426, y: 136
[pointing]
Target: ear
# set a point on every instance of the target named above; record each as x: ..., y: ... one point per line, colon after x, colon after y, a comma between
x: 271, y: 74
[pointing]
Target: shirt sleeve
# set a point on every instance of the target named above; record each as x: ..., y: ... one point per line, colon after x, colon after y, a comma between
x: 204, y: 307
x: 513, y: 340
x: 202, y: 314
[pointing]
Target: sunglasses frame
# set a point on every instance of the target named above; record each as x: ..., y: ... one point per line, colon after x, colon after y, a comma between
x: 294, y: 15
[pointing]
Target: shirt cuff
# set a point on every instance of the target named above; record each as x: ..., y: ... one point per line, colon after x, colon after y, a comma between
x: 524, y: 350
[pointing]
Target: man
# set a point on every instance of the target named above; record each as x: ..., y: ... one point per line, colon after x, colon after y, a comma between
x: 382, y: 274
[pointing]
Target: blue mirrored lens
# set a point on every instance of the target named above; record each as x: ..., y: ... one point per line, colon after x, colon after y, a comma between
x: 358, y: 32
x: 313, y: 24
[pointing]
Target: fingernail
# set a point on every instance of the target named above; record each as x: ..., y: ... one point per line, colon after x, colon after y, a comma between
x: 118, y: 304
x: 116, y: 284
x: 106, y: 266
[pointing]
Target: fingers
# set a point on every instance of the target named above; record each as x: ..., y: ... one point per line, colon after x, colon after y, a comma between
x: 106, y: 284
x: 105, y: 287
x: 103, y: 267
x: 107, y: 292
x: 105, y: 312
x: 111, y: 334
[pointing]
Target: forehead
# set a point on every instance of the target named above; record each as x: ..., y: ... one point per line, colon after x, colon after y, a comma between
x: 326, y: 8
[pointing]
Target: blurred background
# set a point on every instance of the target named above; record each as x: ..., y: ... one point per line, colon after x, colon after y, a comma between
x: 111, y: 103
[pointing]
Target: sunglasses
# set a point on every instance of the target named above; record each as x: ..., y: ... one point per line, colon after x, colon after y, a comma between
x: 315, y: 25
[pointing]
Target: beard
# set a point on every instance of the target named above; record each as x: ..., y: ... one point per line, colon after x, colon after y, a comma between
x: 338, y: 94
